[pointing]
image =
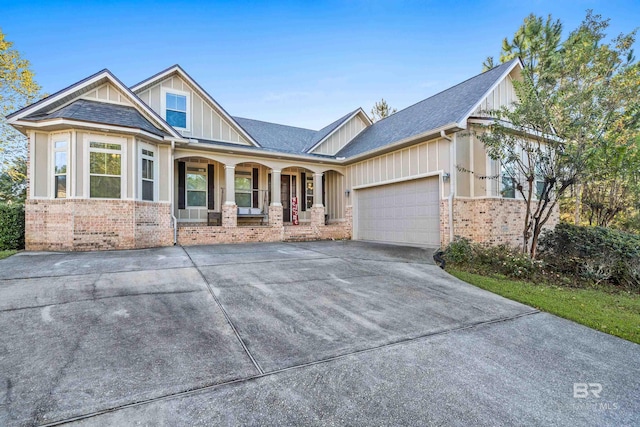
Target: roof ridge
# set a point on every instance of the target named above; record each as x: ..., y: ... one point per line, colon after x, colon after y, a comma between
x: 273, y: 123
x: 450, y: 88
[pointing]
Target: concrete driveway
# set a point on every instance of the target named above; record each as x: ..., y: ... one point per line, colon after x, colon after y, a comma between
x: 323, y: 333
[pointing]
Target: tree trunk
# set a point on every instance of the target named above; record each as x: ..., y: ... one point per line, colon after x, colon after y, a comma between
x: 578, y: 207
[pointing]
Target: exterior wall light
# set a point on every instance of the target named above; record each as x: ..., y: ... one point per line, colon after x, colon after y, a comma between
x: 346, y: 193
x: 446, y: 176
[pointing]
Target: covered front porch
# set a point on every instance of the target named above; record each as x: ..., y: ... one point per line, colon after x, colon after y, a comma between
x: 226, y: 199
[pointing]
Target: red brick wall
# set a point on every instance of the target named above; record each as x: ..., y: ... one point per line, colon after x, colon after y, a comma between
x: 492, y: 221
x: 85, y: 225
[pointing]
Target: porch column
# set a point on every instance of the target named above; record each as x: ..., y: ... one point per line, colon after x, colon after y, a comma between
x: 275, y: 188
x: 229, y: 209
x: 229, y: 185
x: 317, y: 211
x: 317, y: 190
x: 275, y: 209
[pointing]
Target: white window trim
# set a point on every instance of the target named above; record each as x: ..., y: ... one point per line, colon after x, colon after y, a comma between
x: 155, y: 160
x: 87, y: 139
x: 163, y: 105
x: 186, y: 190
x: 249, y: 170
x: 51, y: 172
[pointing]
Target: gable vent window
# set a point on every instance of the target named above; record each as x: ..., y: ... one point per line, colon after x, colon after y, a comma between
x: 176, y: 109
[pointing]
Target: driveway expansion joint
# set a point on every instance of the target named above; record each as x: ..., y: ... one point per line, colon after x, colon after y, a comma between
x: 199, y: 390
x: 225, y: 314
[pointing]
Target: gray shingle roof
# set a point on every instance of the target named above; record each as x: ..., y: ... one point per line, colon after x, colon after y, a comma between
x: 100, y: 112
x: 449, y: 106
x: 287, y: 139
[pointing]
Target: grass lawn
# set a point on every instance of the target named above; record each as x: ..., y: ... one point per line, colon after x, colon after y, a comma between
x: 6, y: 254
x: 614, y: 313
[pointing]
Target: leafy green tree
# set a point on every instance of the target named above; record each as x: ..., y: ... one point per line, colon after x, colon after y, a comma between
x: 13, y: 182
x: 570, y: 102
x: 381, y: 110
x: 17, y: 89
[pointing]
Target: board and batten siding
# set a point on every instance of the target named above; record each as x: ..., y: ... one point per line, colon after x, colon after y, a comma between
x: 504, y: 95
x: 107, y: 92
x: 335, y: 199
x: 415, y: 161
x: 205, y: 121
x: 342, y: 136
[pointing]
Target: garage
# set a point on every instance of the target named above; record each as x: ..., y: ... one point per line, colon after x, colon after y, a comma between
x: 404, y: 212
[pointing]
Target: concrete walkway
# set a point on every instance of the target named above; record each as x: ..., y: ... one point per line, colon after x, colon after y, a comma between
x: 319, y: 333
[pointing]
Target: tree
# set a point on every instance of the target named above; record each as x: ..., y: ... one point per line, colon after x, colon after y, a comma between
x: 17, y: 89
x: 381, y: 110
x: 569, y: 102
x: 13, y: 182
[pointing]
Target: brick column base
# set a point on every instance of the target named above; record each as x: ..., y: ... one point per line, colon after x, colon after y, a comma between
x: 348, y: 217
x: 317, y: 216
x: 275, y: 216
x: 229, y: 216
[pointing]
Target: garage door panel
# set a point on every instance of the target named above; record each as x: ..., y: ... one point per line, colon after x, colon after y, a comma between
x: 405, y: 212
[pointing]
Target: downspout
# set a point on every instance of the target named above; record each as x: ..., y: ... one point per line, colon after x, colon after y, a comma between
x: 451, y: 187
x: 171, y: 192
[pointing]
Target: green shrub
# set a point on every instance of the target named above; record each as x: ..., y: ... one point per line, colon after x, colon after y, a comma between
x: 593, y: 254
x: 11, y: 226
x: 502, y: 259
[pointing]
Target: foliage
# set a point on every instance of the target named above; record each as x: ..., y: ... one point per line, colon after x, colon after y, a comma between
x: 492, y: 259
x: 381, y: 110
x: 575, y: 96
x: 614, y: 313
x: 13, y: 183
x: 17, y: 89
x: 7, y: 254
x: 11, y: 226
x: 594, y: 254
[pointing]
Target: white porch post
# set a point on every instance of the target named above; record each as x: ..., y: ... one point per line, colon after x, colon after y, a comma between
x: 317, y: 190
x: 275, y: 209
x: 275, y: 188
x: 229, y: 185
x: 229, y: 210
x: 317, y: 211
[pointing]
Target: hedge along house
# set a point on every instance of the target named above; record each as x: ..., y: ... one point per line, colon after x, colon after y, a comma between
x: 113, y: 167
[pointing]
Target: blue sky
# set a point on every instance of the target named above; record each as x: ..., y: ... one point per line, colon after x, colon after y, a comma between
x: 298, y: 63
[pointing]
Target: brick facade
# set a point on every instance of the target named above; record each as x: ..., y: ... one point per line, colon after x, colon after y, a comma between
x: 201, y: 234
x: 492, y: 221
x: 85, y: 225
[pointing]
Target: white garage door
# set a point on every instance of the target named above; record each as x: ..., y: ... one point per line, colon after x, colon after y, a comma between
x: 406, y: 212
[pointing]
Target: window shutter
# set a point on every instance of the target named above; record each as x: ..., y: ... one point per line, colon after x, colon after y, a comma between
x: 324, y: 192
x: 182, y: 179
x: 303, y: 202
x: 256, y: 198
x: 211, y: 189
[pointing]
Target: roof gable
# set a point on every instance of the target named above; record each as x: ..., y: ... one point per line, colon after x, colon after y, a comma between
x: 325, y: 133
x: 176, y: 70
x: 71, y: 94
x: 448, y: 109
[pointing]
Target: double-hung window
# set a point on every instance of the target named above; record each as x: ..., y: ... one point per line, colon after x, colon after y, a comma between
x: 176, y: 108
x: 105, y: 170
x: 243, y: 188
x: 508, y: 182
x: 147, y: 185
x: 60, y: 169
x: 308, y: 188
x: 196, y: 187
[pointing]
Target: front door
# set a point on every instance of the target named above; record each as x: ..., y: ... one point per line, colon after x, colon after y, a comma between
x: 285, y: 195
